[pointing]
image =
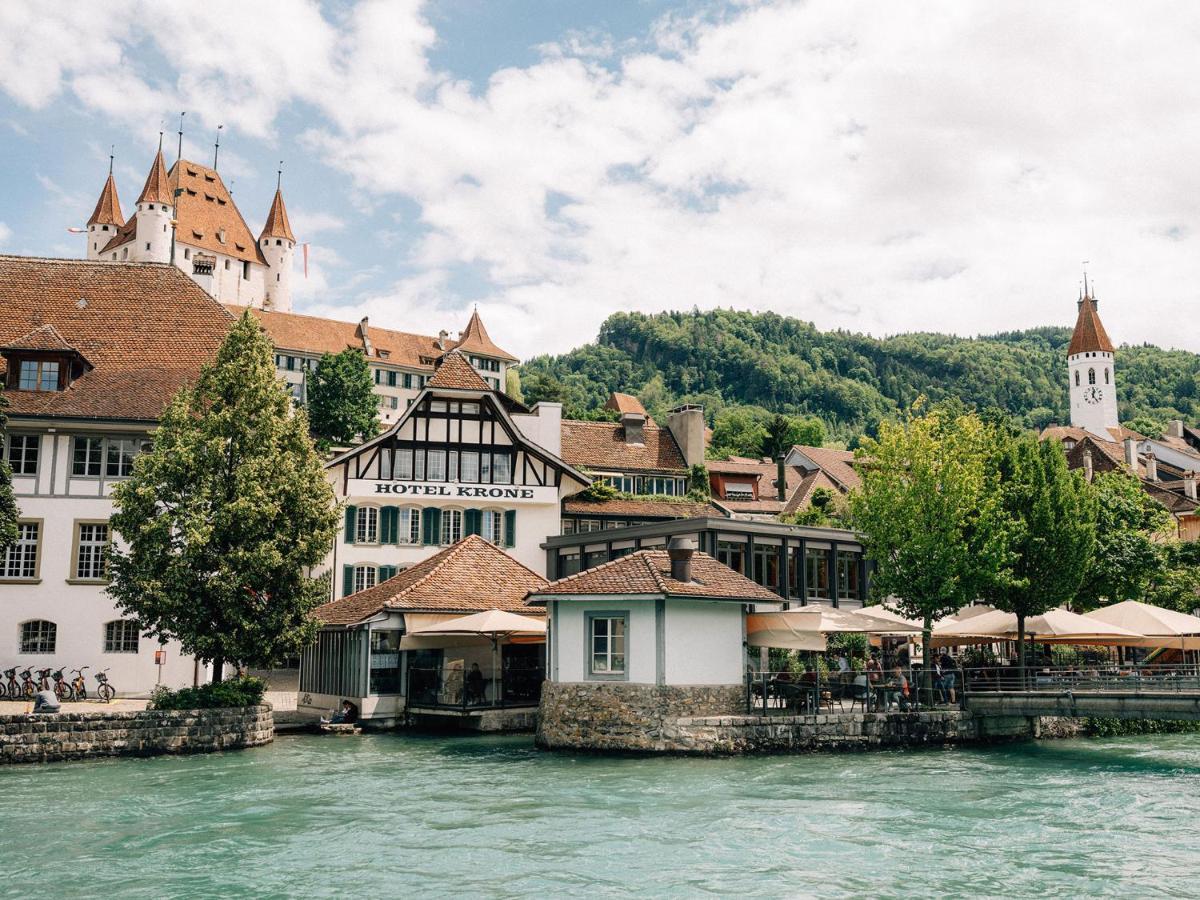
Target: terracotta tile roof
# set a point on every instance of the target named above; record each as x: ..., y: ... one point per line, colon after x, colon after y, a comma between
x: 312, y: 334
x: 627, y: 403
x: 466, y: 577
x: 277, y: 224
x: 475, y: 339
x: 836, y: 464
x: 146, y: 328
x: 1064, y: 433
x: 44, y: 337
x: 454, y: 372
x: 641, y: 509
x: 108, y: 207
x: 124, y: 234
x: 801, y: 498
x: 1089, y: 335
x: 601, y: 445
x: 157, y: 188
x: 649, y: 572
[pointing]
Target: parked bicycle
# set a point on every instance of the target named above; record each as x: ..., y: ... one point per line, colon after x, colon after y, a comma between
x: 10, y: 687
x: 104, y: 690
x: 43, y: 680
x: 78, y: 685
x: 28, y: 685
x: 62, y: 687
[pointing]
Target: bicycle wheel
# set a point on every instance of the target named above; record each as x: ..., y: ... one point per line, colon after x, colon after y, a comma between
x: 106, y: 692
x: 28, y: 690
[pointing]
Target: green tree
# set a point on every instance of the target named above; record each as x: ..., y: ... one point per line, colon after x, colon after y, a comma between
x: 826, y: 507
x: 785, y: 432
x: 223, y: 518
x: 341, y: 399
x: 8, y: 500
x: 1176, y: 583
x: 930, y: 516
x: 542, y: 386
x: 512, y: 384
x: 1129, y: 527
x: 737, y: 431
x: 699, y: 484
x: 656, y: 399
x: 1051, y: 530
x: 1146, y: 426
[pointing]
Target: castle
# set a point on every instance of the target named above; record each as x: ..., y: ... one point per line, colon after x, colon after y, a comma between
x: 186, y: 216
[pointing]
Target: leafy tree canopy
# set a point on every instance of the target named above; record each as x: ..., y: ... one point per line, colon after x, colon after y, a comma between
x: 8, y: 500
x: 342, y: 405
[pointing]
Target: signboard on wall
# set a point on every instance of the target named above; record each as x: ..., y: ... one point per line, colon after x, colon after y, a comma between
x: 450, y: 492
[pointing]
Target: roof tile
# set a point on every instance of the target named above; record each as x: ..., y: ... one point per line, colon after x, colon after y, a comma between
x: 601, y: 445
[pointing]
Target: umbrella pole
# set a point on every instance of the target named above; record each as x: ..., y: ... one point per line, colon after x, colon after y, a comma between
x: 497, y: 686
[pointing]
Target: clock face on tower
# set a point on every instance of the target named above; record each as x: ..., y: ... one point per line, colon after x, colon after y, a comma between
x: 1093, y: 395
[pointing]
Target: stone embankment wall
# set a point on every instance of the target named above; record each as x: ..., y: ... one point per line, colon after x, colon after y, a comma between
x: 712, y: 720
x: 60, y: 736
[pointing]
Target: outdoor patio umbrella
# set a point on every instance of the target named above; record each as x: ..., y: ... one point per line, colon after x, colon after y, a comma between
x: 1161, y: 627
x: 1055, y: 626
x: 805, y: 628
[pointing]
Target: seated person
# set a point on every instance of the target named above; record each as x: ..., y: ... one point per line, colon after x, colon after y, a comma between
x: 475, y: 684
x: 348, y: 715
x: 45, y: 702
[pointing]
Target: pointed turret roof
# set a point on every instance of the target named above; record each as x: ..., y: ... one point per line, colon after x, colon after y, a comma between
x: 475, y: 340
x: 454, y: 372
x: 157, y: 188
x: 277, y: 225
x: 108, y: 207
x: 1089, y: 335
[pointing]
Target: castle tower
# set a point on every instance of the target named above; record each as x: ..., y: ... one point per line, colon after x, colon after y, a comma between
x: 152, y: 240
x: 1091, y: 369
x: 278, y: 245
x: 106, y: 218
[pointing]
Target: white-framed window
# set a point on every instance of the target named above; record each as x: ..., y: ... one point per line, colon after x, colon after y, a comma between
x: 385, y: 464
x: 86, y: 455
x: 501, y: 468
x: 606, y: 635
x: 38, y: 636
x: 418, y: 465
x: 121, y: 636
x: 365, y: 577
x: 91, y: 553
x: 20, y: 560
x: 452, y: 520
x: 408, y: 530
x: 366, y: 529
x: 436, y: 467
x: 469, y: 466
x: 404, y: 465
x: 491, y: 526
x: 118, y: 457
x: 452, y: 466
x: 23, y: 453
x: 38, y: 375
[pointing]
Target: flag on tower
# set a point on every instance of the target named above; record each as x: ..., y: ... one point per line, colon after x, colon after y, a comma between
x: 305, y: 246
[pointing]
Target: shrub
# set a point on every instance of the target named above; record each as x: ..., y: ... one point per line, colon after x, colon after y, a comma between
x: 244, y: 691
x: 1107, y: 727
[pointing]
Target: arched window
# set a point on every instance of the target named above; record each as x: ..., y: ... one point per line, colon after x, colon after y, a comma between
x: 408, y: 529
x: 366, y: 529
x: 452, y: 520
x: 38, y: 636
x: 491, y: 526
x: 121, y: 636
x: 365, y: 577
x: 1091, y: 376
x: 1106, y: 376
x: 1076, y: 378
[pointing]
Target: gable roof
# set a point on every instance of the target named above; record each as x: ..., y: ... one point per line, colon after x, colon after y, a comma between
x: 108, y: 207
x: 649, y: 572
x: 146, y: 328
x: 277, y: 224
x: 475, y: 339
x: 466, y: 577
x: 838, y: 465
x: 627, y: 403
x: 1089, y: 335
x: 44, y: 337
x: 455, y: 373
x: 601, y: 445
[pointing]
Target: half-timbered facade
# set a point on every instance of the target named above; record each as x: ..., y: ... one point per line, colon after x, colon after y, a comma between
x: 463, y: 459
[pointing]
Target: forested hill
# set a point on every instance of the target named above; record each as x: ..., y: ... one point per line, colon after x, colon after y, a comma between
x: 722, y: 359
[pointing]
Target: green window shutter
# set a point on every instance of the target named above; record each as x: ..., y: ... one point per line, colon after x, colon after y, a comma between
x: 347, y: 580
x: 510, y: 527
x: 431, y: 524
x: 386, y: 572
x: 472, y: 522
x: 389, y: 516
x: 351, y: 523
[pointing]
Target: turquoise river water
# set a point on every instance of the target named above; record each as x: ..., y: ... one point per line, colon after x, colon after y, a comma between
x: 398, y: 815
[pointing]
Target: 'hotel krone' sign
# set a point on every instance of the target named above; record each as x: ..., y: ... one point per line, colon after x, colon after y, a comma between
x: 451, y: 492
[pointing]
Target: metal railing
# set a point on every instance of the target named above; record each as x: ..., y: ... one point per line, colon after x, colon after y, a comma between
x: 452, y: 689
x: 787, y: 693
x: 1098, y: 678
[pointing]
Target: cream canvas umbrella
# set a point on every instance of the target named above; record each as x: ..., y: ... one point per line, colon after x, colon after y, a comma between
x: 1055, y: 626
x: 1161, y: 627
x: 805, y: 628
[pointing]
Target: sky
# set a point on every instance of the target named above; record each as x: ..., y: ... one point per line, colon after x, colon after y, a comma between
x: 878, y: 167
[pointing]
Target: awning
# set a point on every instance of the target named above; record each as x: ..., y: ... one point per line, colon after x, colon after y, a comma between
x: 805, y: 628
x: 415, y: 621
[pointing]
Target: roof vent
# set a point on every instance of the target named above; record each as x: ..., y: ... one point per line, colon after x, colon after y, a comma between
x: 81, y: 303
x: 681, y: 550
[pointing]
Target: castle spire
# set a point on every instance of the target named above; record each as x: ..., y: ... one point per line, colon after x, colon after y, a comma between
x: 156, y: 189
x: 277, y: 224
x: 108, y: 207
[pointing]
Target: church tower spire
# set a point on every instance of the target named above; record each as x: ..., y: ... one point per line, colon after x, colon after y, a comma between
x: 1091, y: 368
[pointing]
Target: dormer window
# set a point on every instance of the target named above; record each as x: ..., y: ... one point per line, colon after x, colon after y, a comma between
x: 39, y: 375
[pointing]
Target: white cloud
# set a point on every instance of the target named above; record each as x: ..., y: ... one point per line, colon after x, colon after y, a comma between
x: 873, y: 167
x: 5, y: 234
x: 307, y: 223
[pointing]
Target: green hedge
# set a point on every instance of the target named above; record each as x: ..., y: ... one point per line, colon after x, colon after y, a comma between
x: 1107, y: 727
x: 245, y: 691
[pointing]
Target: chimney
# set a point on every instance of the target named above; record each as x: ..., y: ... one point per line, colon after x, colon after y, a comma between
x: 1087, y: 463
x: 441, y: 341
x: 1151, y: 467
x: 1175, y: 428
x: 780, y: 479
x: 366, y: 337
x: 681, y: 550
x: 686, y: 424
x: 1189, y: 485
x: 1131, y: 454
x: 634, y: 424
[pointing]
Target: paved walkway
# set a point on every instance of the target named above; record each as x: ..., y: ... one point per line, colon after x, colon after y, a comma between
x: 122, y: 704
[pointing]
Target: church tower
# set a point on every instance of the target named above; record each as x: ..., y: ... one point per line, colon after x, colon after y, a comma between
x: 1090, y: 367
x: 106, y: 218
x: 278, y: 245
x: 152, y: 242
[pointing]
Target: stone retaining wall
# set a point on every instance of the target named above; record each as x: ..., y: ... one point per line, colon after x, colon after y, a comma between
x: 60, y: 736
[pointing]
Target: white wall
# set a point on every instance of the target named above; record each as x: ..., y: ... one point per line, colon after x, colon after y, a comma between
x: 572, y: 652
x: 703, y: 643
